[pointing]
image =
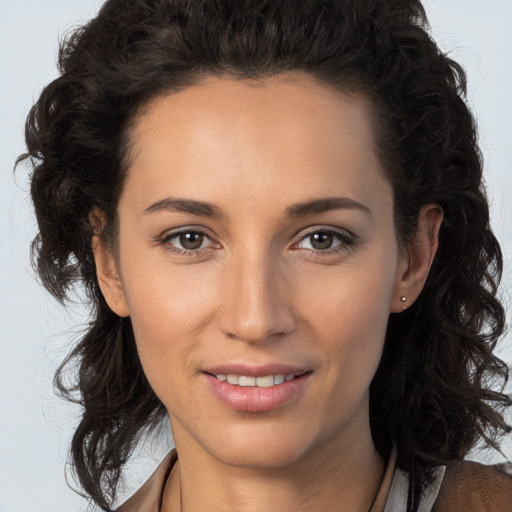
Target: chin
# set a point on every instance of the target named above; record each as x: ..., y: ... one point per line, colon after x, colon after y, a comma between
x: 268, y: 450
x: 268, y: 457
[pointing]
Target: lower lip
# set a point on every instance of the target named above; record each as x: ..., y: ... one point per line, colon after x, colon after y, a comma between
x: 253, y: 398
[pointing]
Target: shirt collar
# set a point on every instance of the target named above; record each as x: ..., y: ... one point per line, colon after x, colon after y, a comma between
x: 147, y: 465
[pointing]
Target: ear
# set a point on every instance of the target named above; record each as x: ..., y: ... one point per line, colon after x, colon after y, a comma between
x: 106, y: 267
x: 417, y: 259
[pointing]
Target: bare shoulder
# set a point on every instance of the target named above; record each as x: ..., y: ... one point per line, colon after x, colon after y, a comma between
x: 473, y: 487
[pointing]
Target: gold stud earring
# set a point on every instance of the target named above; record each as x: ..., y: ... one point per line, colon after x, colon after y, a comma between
x: 403, y: 298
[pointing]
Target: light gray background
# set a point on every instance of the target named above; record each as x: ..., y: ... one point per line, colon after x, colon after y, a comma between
x: 35, y: 427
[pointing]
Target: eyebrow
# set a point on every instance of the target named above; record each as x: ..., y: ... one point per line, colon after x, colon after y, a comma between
x: 316, y: 206
x: 199, y: 208
x: 205, y: 209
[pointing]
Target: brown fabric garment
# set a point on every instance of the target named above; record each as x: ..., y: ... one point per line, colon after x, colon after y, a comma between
x: 473, y: 487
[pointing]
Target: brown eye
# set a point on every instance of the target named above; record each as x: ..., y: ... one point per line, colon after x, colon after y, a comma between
x: 321, y: 240
x: 188, y: 242
x: 191, y: 240
x: 325, y: 240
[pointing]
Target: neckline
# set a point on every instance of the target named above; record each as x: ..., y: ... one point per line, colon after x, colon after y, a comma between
x: 149, y: 495
x: 381, y: 498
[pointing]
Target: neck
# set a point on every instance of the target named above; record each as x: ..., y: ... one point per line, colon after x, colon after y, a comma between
x: 332, y: 477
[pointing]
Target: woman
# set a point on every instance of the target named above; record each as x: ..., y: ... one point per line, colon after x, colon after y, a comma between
x: 277, y: 210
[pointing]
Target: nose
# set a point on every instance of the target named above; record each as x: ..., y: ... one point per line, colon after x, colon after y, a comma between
x: 255, y: 301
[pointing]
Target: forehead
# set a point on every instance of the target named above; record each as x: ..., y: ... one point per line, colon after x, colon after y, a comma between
x: 286, y: 131
x: 230, y: 101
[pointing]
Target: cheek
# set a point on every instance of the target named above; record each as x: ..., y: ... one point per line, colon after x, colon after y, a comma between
x: 347, y: 313
x: 169, y: 309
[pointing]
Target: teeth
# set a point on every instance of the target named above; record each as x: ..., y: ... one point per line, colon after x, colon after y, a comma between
x: 261, y: 382
x: 265, y: 382
x: 279, y: 379
x: 247, y: 381
x: 233, y: 379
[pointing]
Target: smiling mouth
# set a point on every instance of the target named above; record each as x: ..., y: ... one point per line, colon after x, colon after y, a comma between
x: 266, y: 381
x: 257, y: 393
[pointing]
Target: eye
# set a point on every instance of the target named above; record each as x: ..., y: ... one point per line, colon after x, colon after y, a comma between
x: 325, y: 240
x: 319, y: 241
x: 190, y: 240
x: 187, y: 241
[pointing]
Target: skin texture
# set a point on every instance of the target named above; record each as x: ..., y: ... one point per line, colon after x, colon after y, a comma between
x: 257, y: 291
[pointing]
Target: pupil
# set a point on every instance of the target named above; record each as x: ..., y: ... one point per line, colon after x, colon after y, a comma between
x: 191, y: 241
x: 322, y: 240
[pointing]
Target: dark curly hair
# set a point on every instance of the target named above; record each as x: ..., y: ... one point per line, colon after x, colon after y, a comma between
x: 434, y: 394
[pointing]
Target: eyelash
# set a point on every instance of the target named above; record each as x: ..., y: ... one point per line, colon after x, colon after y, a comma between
x: 345, y: 238
x: 165, y: 241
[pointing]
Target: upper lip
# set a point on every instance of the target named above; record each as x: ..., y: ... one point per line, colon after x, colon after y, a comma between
x: 255, y: 370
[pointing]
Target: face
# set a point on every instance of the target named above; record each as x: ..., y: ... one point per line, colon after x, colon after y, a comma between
x: 256, y: 246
